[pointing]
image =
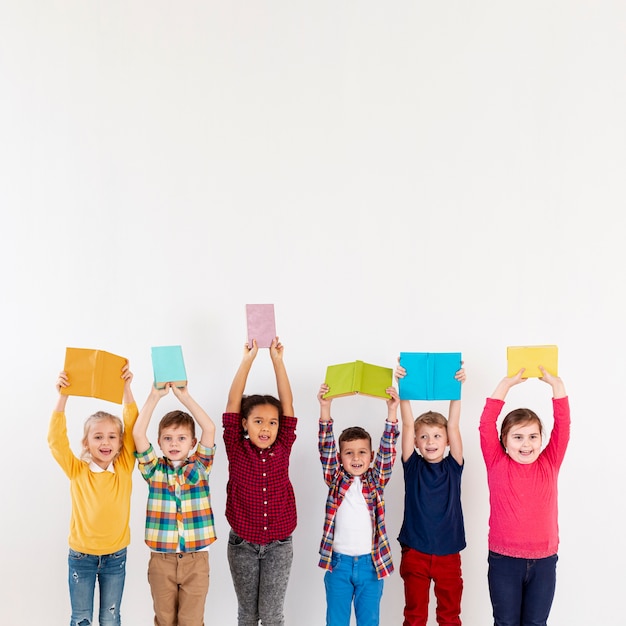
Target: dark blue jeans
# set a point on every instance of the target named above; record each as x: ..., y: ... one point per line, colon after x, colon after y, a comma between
x: 521, y: 590
x: 109, y: 570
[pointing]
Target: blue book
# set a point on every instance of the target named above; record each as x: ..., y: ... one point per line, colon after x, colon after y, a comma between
x: 430, y: 376
x: 168, y: 366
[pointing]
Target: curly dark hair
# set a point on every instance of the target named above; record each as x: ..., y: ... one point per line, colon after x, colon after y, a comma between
x: 249, y: 402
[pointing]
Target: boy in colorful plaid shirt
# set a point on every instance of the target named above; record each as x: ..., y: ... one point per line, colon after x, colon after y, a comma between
x: 179, y: 518
x: 355, y: 549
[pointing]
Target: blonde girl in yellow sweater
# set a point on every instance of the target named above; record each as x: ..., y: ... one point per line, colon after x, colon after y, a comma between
x: 100, y: 488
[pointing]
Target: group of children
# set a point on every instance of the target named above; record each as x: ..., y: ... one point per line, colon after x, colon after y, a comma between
x: 259, y: 433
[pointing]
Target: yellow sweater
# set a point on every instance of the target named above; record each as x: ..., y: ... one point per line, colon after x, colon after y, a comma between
x: 100, y: 500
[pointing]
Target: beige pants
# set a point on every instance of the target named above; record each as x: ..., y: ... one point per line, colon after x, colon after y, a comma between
x: 179, y: 583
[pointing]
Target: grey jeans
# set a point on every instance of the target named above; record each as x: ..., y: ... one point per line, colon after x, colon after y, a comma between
x: 260, y: 576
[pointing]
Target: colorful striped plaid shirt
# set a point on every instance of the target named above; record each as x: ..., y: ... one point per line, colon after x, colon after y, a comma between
x: 179, y: 517
x: 260, y: 502
x: 374, y: 481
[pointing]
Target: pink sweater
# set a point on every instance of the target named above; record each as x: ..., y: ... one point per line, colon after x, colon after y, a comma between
x: 523, y: 521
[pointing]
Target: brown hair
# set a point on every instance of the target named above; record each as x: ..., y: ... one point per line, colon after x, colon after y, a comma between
x: 431, y: 418
x: 96, y: 418
x: 177, y: 418
x: 516, y: 418
x: 352, y: 434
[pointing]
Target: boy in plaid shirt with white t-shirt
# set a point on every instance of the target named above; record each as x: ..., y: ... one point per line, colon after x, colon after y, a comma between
x: 179, y: 518
x: 355, y: 548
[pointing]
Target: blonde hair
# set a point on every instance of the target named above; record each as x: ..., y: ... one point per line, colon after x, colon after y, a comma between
x: 96, y: 418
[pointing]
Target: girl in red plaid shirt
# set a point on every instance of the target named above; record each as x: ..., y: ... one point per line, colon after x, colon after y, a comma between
x: 259, y: 432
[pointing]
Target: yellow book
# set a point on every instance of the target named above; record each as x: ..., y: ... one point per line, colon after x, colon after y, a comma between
x: 347, y: 379
x: 530, y: 358
x: 94, y: 373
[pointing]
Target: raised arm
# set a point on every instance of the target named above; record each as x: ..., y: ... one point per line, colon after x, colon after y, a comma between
x: 558, y: 386
x: 324, y: 403
x: 207, y: 438
x: 140, y: 429
x: 62, y: 383
x: 454, y: 418
x: 392, y: 404
x: 57, y: 432
x: 238, y: 386
x: 408, y: 421
x: 282, y: 380
x: 506, y: 383
x: 127, y: 375
x: 408, y: 429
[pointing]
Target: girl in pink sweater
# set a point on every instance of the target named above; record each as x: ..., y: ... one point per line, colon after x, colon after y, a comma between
x: 523, y: 521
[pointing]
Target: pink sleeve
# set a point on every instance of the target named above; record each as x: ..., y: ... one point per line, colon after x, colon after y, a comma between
x: 559, y: 437
x: 489, y: 439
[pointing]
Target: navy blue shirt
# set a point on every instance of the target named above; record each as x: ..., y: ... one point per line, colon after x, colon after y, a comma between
x: 433, y: 518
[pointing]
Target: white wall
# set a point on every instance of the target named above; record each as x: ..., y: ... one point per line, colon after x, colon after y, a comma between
x: 392, y: 175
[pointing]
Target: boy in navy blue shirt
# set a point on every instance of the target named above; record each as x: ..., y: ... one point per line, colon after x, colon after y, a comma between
x: 432, y: 533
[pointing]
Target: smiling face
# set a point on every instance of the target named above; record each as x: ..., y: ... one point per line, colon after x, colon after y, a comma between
x: 262, y: 425
x: 176, y: 442
x: 356, y: 456
x: 431, y: 441
x: 523, y: 442
x: 103, y: 441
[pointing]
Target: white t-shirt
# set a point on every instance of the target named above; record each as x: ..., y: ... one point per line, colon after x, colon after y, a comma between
x: 353, y: 523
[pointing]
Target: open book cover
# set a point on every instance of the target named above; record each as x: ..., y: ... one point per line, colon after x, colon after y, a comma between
x: 95, y: 374
x: 168, y: 366
x: 530, y: 358
x: 430, y: 376
x: 347, y: 379
x: 261, y: 324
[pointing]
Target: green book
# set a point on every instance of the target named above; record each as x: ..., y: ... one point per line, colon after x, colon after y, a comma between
x: 347, y: 379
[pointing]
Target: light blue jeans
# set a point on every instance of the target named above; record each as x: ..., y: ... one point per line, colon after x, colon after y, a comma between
x: 353, y: 578
x: 260, y: 576
x: 110, y: 572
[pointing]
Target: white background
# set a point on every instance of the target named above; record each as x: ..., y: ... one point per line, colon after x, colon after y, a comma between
x: 392, y: 175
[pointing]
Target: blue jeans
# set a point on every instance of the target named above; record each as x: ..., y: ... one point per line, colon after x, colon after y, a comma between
x: 353, y: 578
x: 110, y: 572
x: 521, y: 590
x: 260, y: 576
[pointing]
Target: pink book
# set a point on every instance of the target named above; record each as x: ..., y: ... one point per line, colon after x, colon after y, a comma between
x: 261, y: 324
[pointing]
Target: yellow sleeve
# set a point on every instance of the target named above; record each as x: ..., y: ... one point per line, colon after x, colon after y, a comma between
x: 127, y: 456
x: 60, y: 445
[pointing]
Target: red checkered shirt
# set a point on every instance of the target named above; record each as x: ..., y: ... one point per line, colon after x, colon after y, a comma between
x: 260, y: 502
x: 374, y: 481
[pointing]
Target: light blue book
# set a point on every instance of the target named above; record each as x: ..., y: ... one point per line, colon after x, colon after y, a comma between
x: 430, y: 376
x: 168, y: 366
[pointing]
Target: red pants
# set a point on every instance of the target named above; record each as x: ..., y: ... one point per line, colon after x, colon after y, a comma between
x: 417, y: 570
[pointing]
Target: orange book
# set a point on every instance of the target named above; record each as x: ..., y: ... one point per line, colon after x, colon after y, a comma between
x: 95, y: 374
